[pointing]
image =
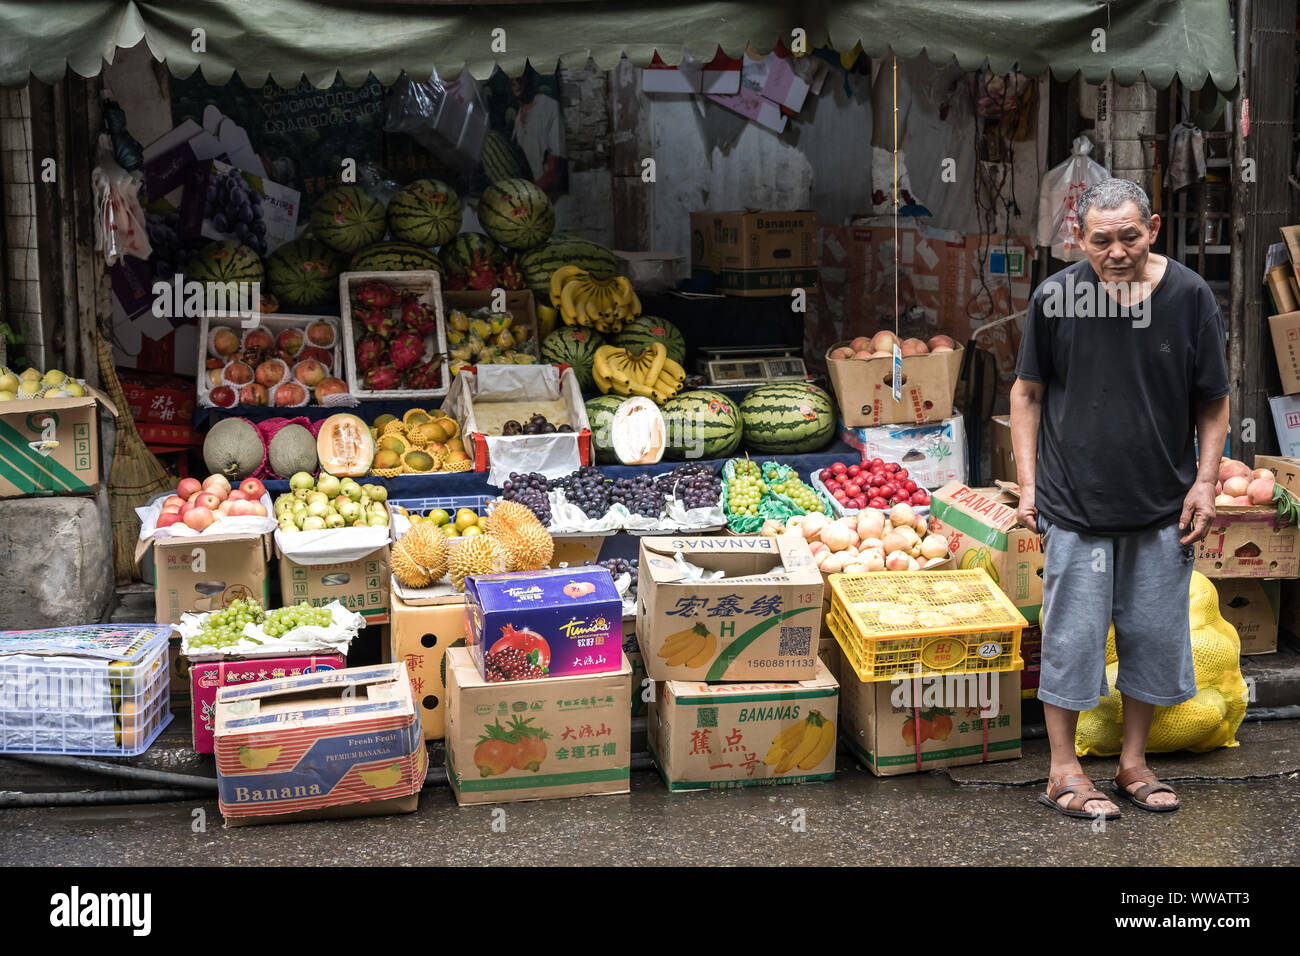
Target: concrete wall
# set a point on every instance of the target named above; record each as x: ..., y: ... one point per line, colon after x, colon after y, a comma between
x: 23, y: 292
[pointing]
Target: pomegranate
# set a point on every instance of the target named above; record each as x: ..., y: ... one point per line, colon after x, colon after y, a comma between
x: 322, y: 334
x: 258, y: 338
x: 290, y: 341
x: 309, y: 372
x: 324, y: 356
x: 330, y: 386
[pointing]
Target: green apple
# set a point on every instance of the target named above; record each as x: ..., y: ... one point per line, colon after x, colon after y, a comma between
x: 328, y: 484
x: 302, y: 480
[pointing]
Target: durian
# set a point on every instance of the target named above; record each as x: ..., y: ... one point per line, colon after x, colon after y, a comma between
x: 428, y: 547
x: 405, y: 568
x: 527, y: 544
x: 478, y: 554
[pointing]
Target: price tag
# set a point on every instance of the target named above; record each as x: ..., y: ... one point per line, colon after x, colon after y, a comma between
x: 898, y: 372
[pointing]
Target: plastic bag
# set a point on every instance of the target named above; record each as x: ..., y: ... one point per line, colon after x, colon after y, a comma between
x: 448, y: 119
x: 1058, y: 200
x: 119, y: 221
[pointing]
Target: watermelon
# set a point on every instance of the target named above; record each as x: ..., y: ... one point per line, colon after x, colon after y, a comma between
x: 427, y: 213
x: 516, y: 213
x: 470, y: 253
x: 394, y: 257
x: 701, y: 424
x: 348, y: 219
x: 790, y: 418
x: 647, y: 330
x: 600, y: 415
x: 225, y: 262
x: 575, y: 346
x: 561, y: 250
x: 499, y: 158
x: 304, y: 274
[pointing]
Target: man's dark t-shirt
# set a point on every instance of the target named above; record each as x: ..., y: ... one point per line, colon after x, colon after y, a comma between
x: 1115, y: 440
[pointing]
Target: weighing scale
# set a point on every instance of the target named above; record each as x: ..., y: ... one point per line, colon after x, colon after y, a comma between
x: 737, y: 366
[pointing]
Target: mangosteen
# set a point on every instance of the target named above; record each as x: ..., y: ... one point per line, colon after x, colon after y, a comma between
x: 565, y: 428
x: 512, y: 427
x: 546, y: 428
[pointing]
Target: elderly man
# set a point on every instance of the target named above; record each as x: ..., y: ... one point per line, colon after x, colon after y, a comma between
x: 1121, y: 367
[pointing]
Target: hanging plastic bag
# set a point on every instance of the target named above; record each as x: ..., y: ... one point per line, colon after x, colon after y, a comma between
x: 1058, y: 200
x: 449, y: 119
x: 119, y: 220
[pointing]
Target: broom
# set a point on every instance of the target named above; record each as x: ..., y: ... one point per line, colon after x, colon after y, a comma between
x: 136, y: 476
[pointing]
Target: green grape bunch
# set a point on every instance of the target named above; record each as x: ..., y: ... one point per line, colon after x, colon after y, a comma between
x: 283, y: 620
x: 801, y: 494
x: 745, y: 492
x: 224, y: 627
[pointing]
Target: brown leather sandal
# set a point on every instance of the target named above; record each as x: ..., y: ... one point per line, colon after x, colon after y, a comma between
x: 1083, y: 790
x: 1125, y: 778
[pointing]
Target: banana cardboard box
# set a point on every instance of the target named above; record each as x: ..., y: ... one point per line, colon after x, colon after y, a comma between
x: 207, y: 677
x: 720, y: 736
x: 536, y: 739
x: 759, y: 621
x: 912, y: 724
x: 345, y: 743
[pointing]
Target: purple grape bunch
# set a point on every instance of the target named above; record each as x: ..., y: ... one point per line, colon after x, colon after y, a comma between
x: 695, y: 485
x: 640, y: 494
x: 530, y: 491
x: 236, y: 209
x: 588, y: 489
x: 171, y: 252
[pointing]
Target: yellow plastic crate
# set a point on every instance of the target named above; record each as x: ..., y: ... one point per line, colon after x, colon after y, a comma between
x: 924, y: 623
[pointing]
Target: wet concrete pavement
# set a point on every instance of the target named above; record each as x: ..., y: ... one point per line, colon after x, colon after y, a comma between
x: 1239, y: 809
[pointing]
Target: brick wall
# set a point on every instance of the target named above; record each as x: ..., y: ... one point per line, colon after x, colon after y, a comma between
x: 1124, y: 115
x: 23, y: 295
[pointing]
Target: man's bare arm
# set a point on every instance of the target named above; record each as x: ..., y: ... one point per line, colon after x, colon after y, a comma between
x: 1026, y: 408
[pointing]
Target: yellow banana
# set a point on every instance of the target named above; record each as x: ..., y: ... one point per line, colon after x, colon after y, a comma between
x: 617, y: 372
x: 676, y: 642
x: 569, y: 304
x: 644, y: 390
x: 559, y: 277
x: 658, y: 355
x: 602, y: 380
x: 675, y: 370
x: 600, y: 368
x: 622, y: 290
x: 666, y: 384
x: 775, y: 755
x: 823, y: 746
x: 681, y: 657
x: 807, y: 744
x: 705, y: 653
x: 635, y: 303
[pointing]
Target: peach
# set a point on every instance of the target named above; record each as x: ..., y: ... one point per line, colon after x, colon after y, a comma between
x: 883, y: 341
x: 862, y: 355
x: 862, y: 342
x: 1242, y: 500
x: 882, y: 354
x: 1264, y: 473
x: 914, y: 347
x: 1236, y: 486
x: 1231, y: 468
x: 945, y: 342
x: 843, y: 352
x: 1260, y: 491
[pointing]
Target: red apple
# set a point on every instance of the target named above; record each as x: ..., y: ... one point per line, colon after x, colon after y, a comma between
x: 213, y: 482
x: 225, y: 508
x: 253, y: 488
x: 174, y: 501
x: 187, y: 487
x: 236, y: 495
x: 240, y: 507
x: 199, y: 518
x: 168, y: 518
x: 207, y: 500
x: 257, y: 509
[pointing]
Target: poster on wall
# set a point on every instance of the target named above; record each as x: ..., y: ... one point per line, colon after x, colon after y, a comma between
x: 526, y: 137
x: 301, y: 134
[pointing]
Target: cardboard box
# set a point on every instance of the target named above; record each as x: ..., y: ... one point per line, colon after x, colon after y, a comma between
x: 1291, y: 236
x: 864, y: 388
x: 360, y: 585
x: 1252, y: 607
x: 755, y: 253
x: 178, y: 666
x: 319, y: 746
x: 207, y: 677
x: 1004, y: 459
x: 721, y: 736
x: 759, y: 622
x: 580, y: 746
x: 1285, y: 329
x: 1244, y: 543
x: 419, y: 637
x: 932, y: 454
x: 1286, y: 422
x: 1289, y: 608
x: 977, y: 715
x: 207, y: 573
x: 158, y: 399
x: 50, y: 446
x: 566, y: 620
x: 983, y: 532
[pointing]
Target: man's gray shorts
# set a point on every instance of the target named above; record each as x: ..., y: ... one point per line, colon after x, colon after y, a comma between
x: 1141, y: 582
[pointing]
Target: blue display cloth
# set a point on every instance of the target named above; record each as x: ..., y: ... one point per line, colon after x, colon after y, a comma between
x: 475, y: 483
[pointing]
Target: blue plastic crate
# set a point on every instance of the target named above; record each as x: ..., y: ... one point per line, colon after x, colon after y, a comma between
x: 94, y: 690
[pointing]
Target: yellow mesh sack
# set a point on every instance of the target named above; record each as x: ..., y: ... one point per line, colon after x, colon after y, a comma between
x: 1207, y: 721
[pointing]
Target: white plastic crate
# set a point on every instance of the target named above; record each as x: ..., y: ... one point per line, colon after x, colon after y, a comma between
x: 425, y: 286
x: 95, y: 690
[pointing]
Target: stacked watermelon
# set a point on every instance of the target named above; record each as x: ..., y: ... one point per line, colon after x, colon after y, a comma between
x: 425, y: 213
x: 475, y: 261
x: 348, y: 219
x: 395, y: 257
x: 576, y: 347
x: 564, y: 250
x: 700, y: 424
x: 303, y: 274
x: 788, y: 418
x: 646, y: 330
x: 516, y: 213
x: 499, y: 158
x: 225, y: 262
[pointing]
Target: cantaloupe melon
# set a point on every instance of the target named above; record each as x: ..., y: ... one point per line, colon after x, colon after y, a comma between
x: 292, y: 449
x: 344, y: 446
x: 233, y: 448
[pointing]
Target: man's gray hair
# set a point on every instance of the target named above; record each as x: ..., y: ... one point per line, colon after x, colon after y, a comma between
x: 1111, y: 194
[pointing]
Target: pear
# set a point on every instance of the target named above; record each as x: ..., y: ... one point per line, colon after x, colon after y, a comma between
x: 9, y: 382
x: 31, y: 387
x: 7, y: 396
x: 30, y: 375
x: 74, y: 389
x: 54, y: 377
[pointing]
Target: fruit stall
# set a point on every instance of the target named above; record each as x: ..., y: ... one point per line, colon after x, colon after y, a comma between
x: 440, y: 447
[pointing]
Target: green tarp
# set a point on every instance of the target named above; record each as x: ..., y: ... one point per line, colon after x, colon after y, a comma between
x: 287, y: 39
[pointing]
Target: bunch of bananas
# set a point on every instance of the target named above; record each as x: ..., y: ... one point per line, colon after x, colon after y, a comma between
x: 803, y: 745
x: 650, y: 372
x: 605, y: 305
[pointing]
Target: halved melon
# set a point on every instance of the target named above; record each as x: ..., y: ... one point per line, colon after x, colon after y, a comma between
x: 345, y: 446
x: 638, y: 433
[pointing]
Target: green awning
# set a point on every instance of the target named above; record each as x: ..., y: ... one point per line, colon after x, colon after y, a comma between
x: 287, y: 39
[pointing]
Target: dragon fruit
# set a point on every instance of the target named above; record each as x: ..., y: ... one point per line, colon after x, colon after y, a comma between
x: 485, y: 281
x: 370, y: 352
x: 406, y: 350
x: 417, y: 317
x: 426, y: 376
x: 376, y: 295
x: 378, y: 322
x: 381, y: 378
x: 511, y: 276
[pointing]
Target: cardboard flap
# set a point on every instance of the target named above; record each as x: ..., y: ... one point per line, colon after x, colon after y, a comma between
x: 993, y: 508
x: 326, y: 683
x: 775, y: 690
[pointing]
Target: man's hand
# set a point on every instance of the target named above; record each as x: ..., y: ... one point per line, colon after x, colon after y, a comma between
x: 1026, y: 511
x: 1198, y: 512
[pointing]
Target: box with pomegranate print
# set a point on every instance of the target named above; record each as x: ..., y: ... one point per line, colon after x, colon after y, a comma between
x: 207, y: 677
x: 550, y: 623
x: 537, y: 739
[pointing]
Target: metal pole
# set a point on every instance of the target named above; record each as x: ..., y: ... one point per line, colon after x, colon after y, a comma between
x: 1237, y: 284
